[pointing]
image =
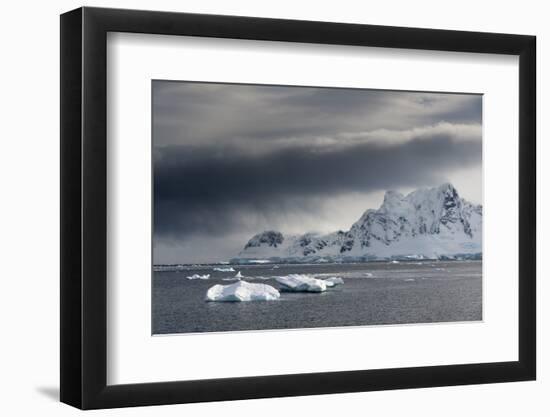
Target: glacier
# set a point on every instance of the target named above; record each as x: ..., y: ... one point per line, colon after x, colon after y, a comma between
x: 242, y: 291
x: 429, y: 223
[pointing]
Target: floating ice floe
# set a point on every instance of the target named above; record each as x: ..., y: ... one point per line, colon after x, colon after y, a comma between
x: 238, y: 274
x: 229, y: 269
x: 333, y: 281
x: 301, y: 283
x: 394, y: 262
x: 197, y: 276
x: 242, y: 291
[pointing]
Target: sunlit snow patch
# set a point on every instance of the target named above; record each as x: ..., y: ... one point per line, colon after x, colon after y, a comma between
x: 301, y: 283
x: 242, y: 291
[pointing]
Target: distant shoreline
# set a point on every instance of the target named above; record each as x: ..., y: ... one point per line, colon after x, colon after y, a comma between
x: 472, y: 257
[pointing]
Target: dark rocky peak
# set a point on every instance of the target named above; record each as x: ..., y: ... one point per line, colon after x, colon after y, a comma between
x: 269, y: 237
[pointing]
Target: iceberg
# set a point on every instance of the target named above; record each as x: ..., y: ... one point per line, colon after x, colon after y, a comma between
x: 301, y: 283
x: 242, y: 291
x: 333, y: 281
x: 229, y: 269
x: 197, y: 276
x: 239, y: 275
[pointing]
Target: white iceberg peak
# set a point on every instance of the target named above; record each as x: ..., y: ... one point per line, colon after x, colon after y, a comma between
x: 242, y: 291
x: 197, y: 276
x: 301, y: 283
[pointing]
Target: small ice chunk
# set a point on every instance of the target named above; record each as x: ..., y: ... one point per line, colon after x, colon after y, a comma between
x: 333, y: 281
x: 197, y: 276
x: 229, y: 269
x: 242, y: 291
x: 238, y: 275
x: 301, y: 283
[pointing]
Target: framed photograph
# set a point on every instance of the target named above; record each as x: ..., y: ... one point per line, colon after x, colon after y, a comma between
x: 257, y: 208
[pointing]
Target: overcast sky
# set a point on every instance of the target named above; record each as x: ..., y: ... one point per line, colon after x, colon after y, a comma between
x: 232, y: 160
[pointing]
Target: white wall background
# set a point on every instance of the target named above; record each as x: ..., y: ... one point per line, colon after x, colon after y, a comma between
x: 29, y: 237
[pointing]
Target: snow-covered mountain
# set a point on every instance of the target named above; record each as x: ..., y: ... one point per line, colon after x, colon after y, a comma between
x: 429, y: 223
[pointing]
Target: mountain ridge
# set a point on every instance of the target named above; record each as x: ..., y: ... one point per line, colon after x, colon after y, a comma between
x: 428, y: 223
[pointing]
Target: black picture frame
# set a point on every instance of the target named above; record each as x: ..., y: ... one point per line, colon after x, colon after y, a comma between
x: 84, y: 207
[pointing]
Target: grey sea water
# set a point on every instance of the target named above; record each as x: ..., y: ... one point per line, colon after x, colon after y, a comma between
x: 374, y: 293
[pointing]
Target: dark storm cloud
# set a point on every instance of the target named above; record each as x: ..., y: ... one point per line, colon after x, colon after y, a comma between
x: 199, y: 112
x: 231, y: 160
x: 200, y: 189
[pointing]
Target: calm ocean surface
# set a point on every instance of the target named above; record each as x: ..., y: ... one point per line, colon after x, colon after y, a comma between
x: 373, y: 293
